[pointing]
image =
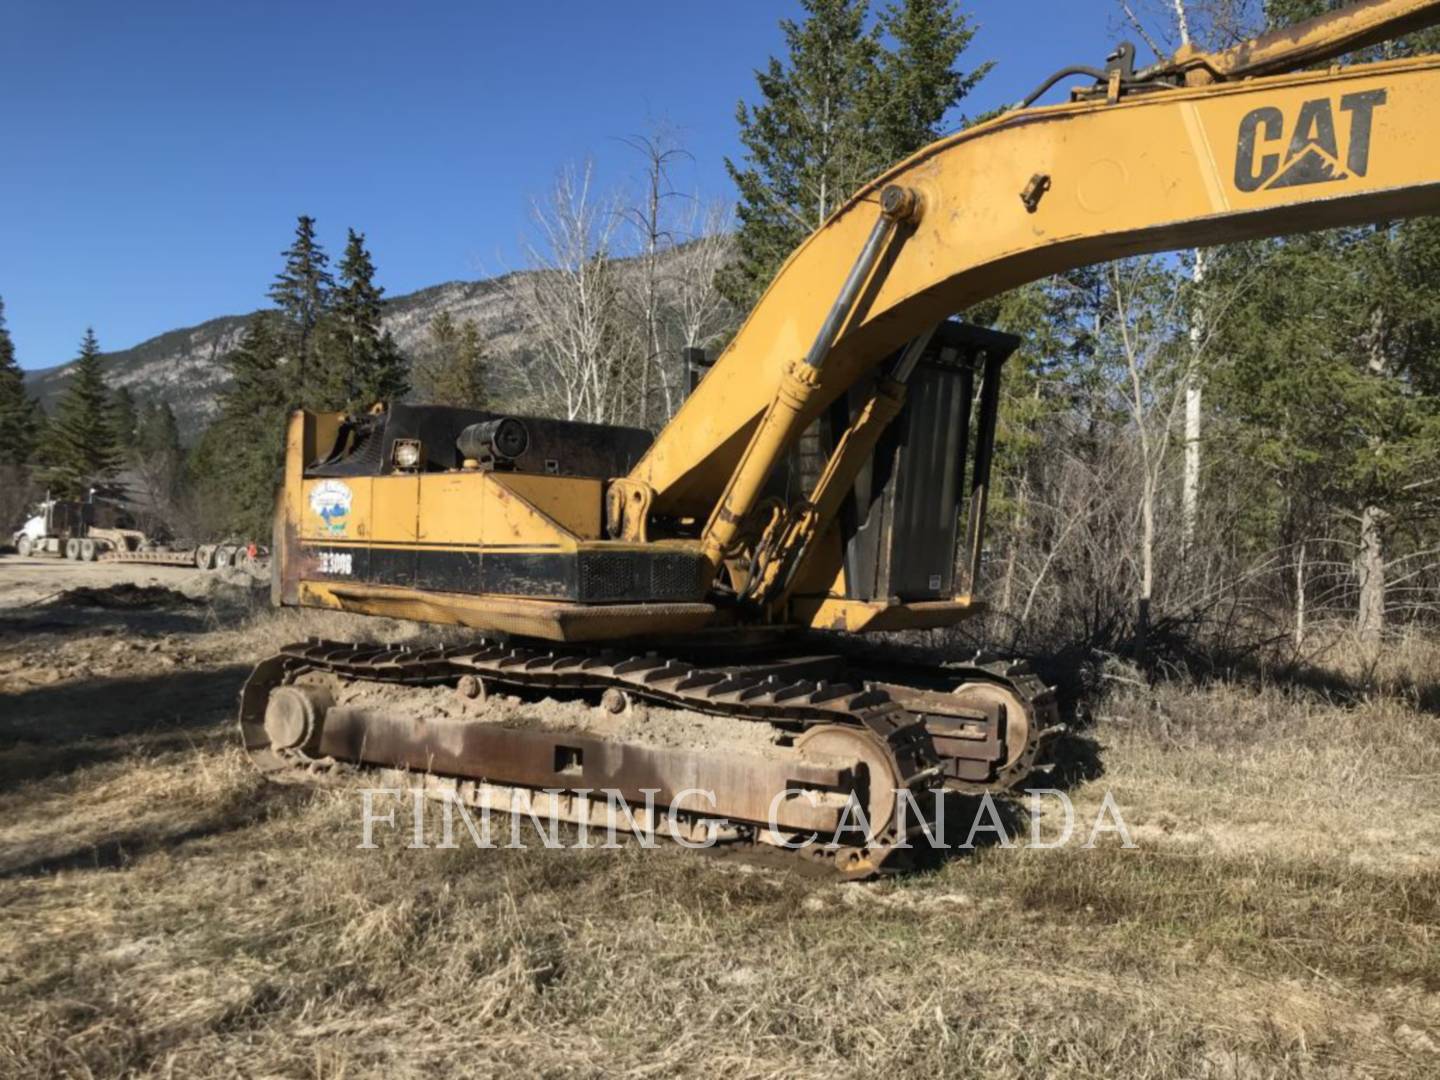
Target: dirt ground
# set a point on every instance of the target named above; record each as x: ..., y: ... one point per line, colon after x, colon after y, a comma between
x: 165, y: 912
x: 26, y: 583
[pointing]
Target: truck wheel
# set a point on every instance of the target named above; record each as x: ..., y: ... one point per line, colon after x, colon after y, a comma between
x: 223, y: 557
x: 88, y: 550
x: 72, y: 549
x: 25, y: 547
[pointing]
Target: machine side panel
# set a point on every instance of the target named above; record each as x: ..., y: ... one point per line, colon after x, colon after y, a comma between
x: 395, y: 505
x: 451, y: 523
x: 477, y: 534
x: 574, y: 504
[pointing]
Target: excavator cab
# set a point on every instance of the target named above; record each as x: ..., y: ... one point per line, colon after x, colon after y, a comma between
x: 926, y: 486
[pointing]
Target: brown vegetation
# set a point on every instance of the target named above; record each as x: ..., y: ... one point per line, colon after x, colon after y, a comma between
x: 164, y: 912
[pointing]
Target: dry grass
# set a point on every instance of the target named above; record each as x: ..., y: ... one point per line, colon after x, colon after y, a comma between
x: 165, y: 913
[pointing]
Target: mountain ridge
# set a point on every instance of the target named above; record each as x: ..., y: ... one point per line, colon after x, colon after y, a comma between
x: 182, y: 366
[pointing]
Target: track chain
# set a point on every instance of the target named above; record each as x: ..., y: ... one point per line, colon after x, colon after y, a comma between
x: 796, y: 704
x: 787, y: 703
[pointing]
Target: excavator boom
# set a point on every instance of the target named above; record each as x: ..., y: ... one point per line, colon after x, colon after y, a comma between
x: 1042, y: 191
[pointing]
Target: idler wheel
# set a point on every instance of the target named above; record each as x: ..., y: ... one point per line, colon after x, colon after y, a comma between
x: 997, y: 700
x: 855, y: 744
x: 293, y: 715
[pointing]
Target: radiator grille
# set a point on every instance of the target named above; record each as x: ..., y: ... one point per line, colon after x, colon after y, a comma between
x: 632, y: 576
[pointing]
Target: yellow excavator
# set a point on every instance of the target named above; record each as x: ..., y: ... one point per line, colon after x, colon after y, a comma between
x: 667, y: 620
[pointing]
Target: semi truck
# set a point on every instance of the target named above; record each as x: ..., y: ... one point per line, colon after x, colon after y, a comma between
x: 101, y: 530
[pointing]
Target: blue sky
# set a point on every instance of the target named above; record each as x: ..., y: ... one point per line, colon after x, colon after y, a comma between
x: 153, y: 156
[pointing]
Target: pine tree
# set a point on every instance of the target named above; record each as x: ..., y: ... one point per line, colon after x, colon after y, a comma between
x: 1336, y: 419
x: 19, y: 419
x: 357, y: 301
x: 839, y: 109
x: 362, y: 363
x: 444, y: 332
x: 805, y: 141
x: 256, y: 377
x: 236, y: 464
x: 918, y: 82
x: 470, y: 380
x: 79, y: 451
x: 302, y: 293
x: 124, y: 420
x: 452, y: 371
x: 158, y: 431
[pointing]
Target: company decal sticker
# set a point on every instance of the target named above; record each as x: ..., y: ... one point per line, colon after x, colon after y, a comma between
x: 1275, y: 151
x: 330, y: 499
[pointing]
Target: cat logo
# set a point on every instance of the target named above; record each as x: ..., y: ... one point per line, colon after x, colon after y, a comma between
x: 1313, y: 156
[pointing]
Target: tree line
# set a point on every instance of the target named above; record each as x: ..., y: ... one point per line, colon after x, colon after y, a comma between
x: 93, y: 435
x: 321, y: 346
x: 1240, y: 442
x: 624, y: 284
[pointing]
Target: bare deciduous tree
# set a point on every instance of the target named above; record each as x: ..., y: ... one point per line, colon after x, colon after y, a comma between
x: 650, y: 221
x: 704, y: 314
x: 1140, y: 320
x: 607, y: 309
x: 1167, y: 25
x: 569, y: 302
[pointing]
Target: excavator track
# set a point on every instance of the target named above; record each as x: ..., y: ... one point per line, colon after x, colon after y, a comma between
x: 837, y: 742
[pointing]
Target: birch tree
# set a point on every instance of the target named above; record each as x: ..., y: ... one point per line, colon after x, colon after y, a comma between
x: 569, y: 301
x: 1225, y: 20
x: 704, y: 314
x: 1144, y: 303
